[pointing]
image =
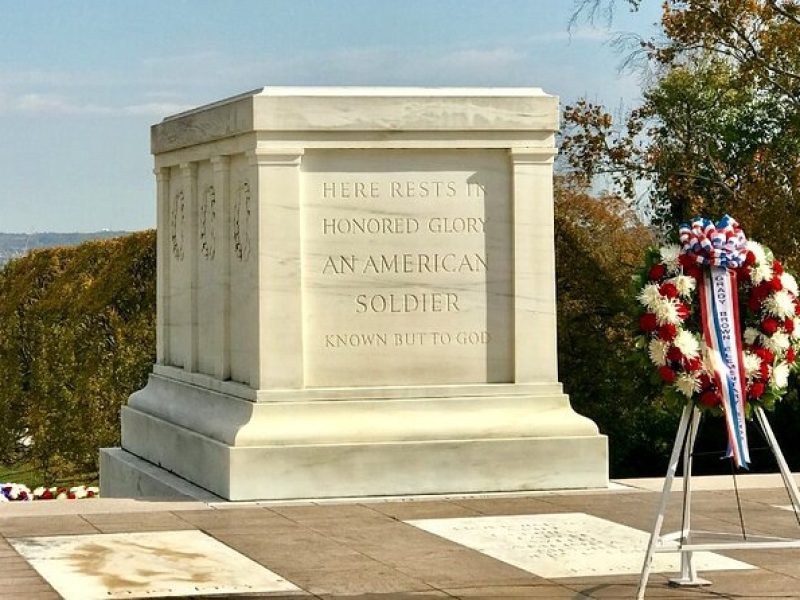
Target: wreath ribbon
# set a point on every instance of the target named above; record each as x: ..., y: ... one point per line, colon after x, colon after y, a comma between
x: 720, y: 249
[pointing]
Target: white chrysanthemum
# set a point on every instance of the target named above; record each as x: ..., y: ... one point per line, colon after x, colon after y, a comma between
x: 762, y: 272
x: 658, y: 352
x: 757, y: 250
x: 750, y: 335
x: 777, y: 342
x: 687, y: 384
x: 687, y: 343
x: 684, y: 284
x: 667, y: 312
x: 78, y: 491
x: 650, y: 296
x: 789, y: 283
x: 669, y: 257
x: 780, y: 304
x: 752, y: 365
x: 796, y: 333
x: 780, y: 375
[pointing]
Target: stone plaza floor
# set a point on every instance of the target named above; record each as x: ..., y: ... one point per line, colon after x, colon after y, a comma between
x: 537, y: 545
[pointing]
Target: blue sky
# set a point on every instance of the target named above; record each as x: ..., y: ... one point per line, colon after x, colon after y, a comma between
x: 81, y: 82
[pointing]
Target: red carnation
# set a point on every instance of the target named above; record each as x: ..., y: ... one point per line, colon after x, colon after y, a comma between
x: 709, y: 398
x: 686, y: 261
x: 71, y: 496
x: 763, y: 371
x: 693, y: 271
x: 788, y: 325
x: 669, y: 290
x: 757, y: 390
x: 775, y: 284
x: 657, y: 272
x: 667, y: 332
x: 744, y: 273
x: 693, y: 364
x: 766, y: 355
x: 90, y: 494
x: 648, y: 322
x: 797, y: 308
x: 683, y: 311
x: 47, y: 495
x: 769, y: 325
x: 777, y: 267
x: 674, y: 354
x: 753, y: 303
x: 790, y: 356
x: 705, y: 381
x: 762, y: 290
x: 667, y: 374
x: 751, y: 258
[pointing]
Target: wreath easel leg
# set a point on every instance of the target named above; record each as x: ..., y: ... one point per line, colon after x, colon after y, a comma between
x: 786, y: 473
x: 688, y: 576
x: 680, y: 442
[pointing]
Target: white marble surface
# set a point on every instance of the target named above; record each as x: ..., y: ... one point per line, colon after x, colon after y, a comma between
x: 142, y: 565
x: 565, y: 545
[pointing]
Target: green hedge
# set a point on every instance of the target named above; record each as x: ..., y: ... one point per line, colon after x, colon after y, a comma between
x: 77, y: 336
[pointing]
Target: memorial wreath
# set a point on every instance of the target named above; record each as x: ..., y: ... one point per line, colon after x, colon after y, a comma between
x: 719, y: 320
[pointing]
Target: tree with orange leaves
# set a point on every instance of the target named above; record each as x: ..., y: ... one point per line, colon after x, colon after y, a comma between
x: 719, y: 128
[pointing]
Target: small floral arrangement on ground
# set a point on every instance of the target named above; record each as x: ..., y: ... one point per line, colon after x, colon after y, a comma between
x: 17, y: 492
x: 671, y: 329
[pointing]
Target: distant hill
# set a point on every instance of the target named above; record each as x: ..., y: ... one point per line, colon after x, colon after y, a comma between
x: 13, y: 245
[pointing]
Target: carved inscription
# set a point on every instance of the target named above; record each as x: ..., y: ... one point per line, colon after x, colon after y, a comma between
x: 408, y: 262
x: 208, y: 217
x: 401, y: 266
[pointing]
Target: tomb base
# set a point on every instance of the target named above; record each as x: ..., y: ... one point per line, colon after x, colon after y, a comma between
x: 240, y: 444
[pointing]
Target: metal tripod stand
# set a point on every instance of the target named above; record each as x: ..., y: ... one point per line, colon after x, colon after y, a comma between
x: 681, y: 541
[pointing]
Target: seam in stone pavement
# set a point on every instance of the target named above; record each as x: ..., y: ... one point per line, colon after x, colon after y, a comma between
x: 390, y: 519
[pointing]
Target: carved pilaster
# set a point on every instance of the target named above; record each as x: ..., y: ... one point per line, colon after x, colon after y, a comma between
x: 162, y: 265
x: 221, y: 185
x: 534, y: 266
x: 280, y: 289
x: 189, y: 178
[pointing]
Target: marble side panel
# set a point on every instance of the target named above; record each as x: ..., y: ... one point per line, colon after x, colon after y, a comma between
x: 407, y: 267
x: 178, y: 241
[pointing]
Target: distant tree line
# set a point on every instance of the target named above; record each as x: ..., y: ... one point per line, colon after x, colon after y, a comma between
x: 13, y: 245
x: 77, y: 336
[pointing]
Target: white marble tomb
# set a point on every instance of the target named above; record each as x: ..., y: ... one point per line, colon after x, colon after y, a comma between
x: 356, y: 297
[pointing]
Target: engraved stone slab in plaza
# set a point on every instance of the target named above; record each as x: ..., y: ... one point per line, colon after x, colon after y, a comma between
x: 566, y: 545
x: 356, y: 297
x: 146, y: 565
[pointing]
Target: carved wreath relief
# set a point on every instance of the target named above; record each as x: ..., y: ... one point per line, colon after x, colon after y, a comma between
x: 177, y: 218
x: 242, y: 212
x: 208, y: 217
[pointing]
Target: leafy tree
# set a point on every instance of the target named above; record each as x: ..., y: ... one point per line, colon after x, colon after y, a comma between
x: 599, y: 245
x: 719, y: 128
x: 77, y: 337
